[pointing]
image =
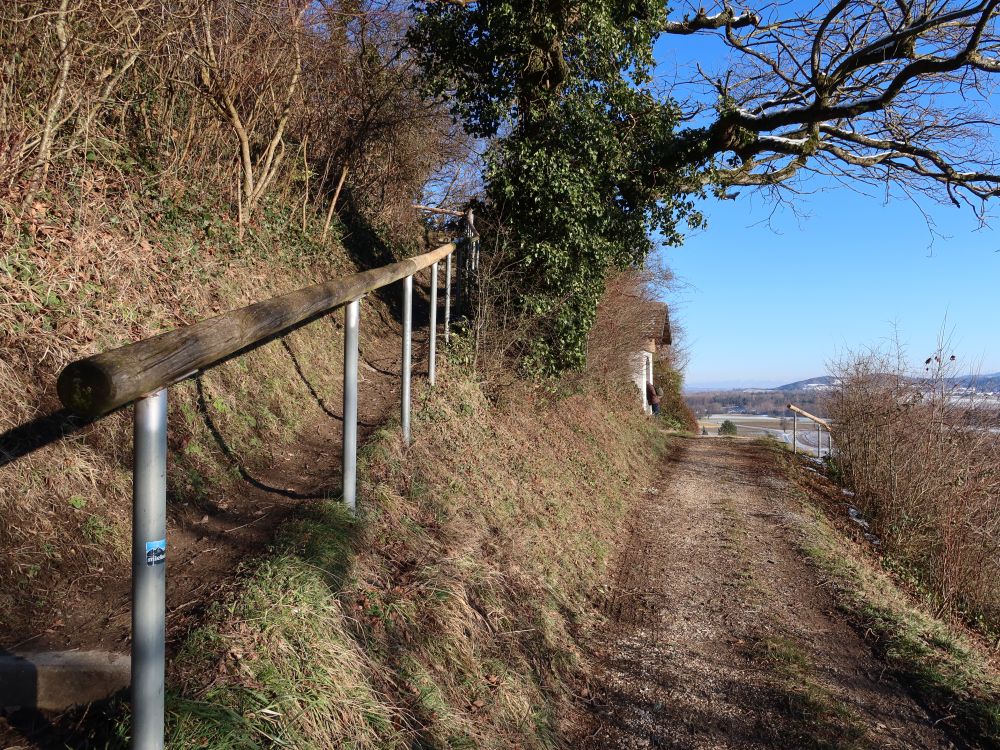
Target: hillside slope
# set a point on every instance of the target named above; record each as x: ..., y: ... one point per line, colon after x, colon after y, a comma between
x: 445, y: 614
x: 69, y: 291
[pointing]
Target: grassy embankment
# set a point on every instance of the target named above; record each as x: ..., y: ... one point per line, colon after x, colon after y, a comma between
x: 951, y: 669
x: 444, y: 617
x: 96, y: 269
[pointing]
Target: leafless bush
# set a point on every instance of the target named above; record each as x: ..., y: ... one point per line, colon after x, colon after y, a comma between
x: 923, y: 456
x: 503, y: 330
x: 500, y: 330
x: 260, y: 97
x: 629, y: 314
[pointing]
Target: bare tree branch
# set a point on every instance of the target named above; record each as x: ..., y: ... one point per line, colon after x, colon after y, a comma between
x: 877, y: 89
x: 704, y: 22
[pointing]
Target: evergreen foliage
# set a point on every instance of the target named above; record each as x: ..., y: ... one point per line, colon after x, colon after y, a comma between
x: 728, y: 427
x: 566, y: 99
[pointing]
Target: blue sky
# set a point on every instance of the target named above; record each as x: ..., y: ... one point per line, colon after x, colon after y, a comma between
x: 770, y: 297
x: 767, y: 297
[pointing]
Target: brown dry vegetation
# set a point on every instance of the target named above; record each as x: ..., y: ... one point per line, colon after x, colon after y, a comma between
x: 631, y: 312
x: 130, y: 136
x: 628, y: 315
x: 442, y: 618
x: 924, y: 464
x: 257, y: 98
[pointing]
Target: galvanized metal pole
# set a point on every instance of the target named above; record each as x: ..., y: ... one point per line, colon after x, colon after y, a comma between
x: 649, y: 370
x: 467, y: 260
x: 447, y: 297
x: 407, y: 346
x: 149, y: 568
x: 432, y: 353
x: 795, y: 431
x: 459, y: 281
x: 352, y: 327
x: 819, y: 441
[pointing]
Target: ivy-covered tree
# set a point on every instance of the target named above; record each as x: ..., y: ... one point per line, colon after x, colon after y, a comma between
x: 587, y: 158
x: 563, y: 91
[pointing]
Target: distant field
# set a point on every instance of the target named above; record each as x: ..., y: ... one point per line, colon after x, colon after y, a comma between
x: 756, y: 401
x: 749, y: 425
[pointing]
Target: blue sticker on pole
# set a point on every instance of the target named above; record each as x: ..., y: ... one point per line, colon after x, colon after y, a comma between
x: 156, y: 552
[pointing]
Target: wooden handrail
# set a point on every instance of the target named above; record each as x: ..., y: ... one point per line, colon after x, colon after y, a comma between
x: 100, y: 384
x: 433, y: 210
x: 804, y: 413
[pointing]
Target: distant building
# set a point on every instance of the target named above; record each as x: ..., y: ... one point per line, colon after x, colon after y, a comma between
x: 657, y: 340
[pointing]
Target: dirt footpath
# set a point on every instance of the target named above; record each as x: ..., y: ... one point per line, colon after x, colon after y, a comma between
x: 720, y: 635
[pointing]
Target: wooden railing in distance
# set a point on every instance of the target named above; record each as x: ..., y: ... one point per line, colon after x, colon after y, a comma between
x: 97, y: 385
x: 435, y: 210
x: 807, y: 415
x: 819, y: 421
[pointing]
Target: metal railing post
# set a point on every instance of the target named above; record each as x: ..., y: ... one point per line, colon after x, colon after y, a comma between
x: 447, y: 297
x: 407, y: 346
x: 432, y: 352
x: 819, y: 441
x: 352, y: 327
x: 459, y: 280
x: 149, y: 568
x: 467, y: 257
x: 795, y: 431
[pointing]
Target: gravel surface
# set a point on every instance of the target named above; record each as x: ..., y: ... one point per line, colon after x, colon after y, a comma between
x: 719, y: 635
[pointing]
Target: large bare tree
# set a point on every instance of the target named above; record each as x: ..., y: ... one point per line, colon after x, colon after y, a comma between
x: 872, y: 90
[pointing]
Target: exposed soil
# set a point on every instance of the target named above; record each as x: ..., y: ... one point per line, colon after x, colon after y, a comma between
x: 720, y: 635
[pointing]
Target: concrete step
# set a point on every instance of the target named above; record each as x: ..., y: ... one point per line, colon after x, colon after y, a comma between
x: 54, y: 680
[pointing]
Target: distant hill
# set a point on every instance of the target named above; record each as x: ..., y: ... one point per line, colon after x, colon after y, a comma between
x: 989, y: 383
x: 820, y: 383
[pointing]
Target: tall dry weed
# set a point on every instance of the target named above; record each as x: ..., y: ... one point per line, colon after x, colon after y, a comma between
x: 923, y: 456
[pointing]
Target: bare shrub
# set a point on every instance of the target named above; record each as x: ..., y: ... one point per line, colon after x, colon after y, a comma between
x: 502, y: 329
x: 630, y: 313
x: 263, y: 98
x: 497, y: 332
x: 922, y: 455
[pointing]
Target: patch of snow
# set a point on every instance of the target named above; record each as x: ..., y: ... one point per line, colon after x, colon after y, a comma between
x: 855, y: 515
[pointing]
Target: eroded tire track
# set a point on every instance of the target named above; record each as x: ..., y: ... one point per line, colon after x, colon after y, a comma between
x: 718, y: 634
